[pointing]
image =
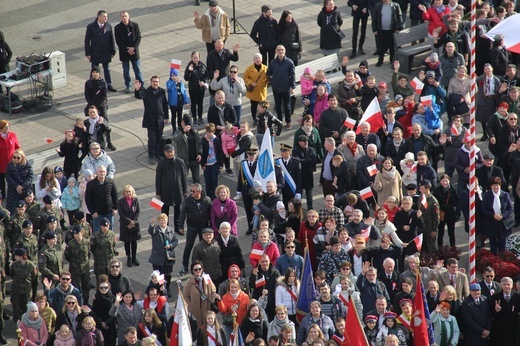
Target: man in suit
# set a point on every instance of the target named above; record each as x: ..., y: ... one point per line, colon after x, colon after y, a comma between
x: 476, y: 317
x: 245, y: 183
x: 292, y: 174
x: 488, y: 286
x: 307, y: 158
x: 489, y: 170
x: 452, y: 276
x: 389, y: 277
x: 504, y: 308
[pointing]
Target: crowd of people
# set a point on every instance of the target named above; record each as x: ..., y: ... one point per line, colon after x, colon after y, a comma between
x: 382, y: 187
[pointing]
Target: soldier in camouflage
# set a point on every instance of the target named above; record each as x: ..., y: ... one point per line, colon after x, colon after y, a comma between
x: 52, y: 226
x: 23, y: 273
x: 77, y: 253
x: 14, y: 227
x: 102, y: 246
x: 79, y: 219
x: 33, y: 207
x: 49, y: 209
x: 50, y: 260
x: 429, y: 208
x: 29, y: 243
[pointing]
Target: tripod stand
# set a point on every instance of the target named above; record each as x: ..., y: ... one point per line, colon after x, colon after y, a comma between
x: 236, y: 24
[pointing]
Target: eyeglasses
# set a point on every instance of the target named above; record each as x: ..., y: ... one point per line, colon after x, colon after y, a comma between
x: 233, y: 72
x: 345, y: 268
x: 103, y: 287
x: 197, y: 269
x: 71, y: 303
x: 193, y: 191
x: 289, y: 247
x: 515, y: 119
x: 114, y: 267
x: 488, y: 276
x: 17, y: 157
x: 65, y: 279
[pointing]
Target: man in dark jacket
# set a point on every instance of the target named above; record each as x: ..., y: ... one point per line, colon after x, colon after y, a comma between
x: 384, y: 27
x: 265, y: 34
x: 155, y: 115
x: 195, y: 209
x: 189, y: 147
x: 171, y: 184
x: 476, y: 317
x: 101, y: 198
x: 489, y: 170
x: 267, y: 205
x: 264, y: 277
x: 96, y: 95
x: 307, y: 157
x: 281, y: 77
x: 219, y: 59
x: 207, y: 251
x: 128, y: 38
x: 221, y: 112
x: 365, y: 176
x: 421, y: 142
x: 245, y: 183
x: 100, y: 46
x: 332, y: 120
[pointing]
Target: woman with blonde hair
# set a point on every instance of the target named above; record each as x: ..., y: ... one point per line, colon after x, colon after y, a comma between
x: 315, y: 335
x: 129, y: 229
x: 89, y: 335
x: 223, y: 209
x: 152, y: 325
x: 19, y: 176
x: 164, y: 241
x: 286, y: 293
x: 72, y: 314
x: 235, y: 300
x: 211, y: 333
x: 150, y: 341
x: 449, y: 295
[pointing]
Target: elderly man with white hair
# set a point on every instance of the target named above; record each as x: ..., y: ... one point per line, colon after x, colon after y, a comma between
x: 365, y: 137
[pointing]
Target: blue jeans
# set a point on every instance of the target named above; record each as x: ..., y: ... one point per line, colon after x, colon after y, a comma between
x: 95, y: 222
x: 238, y: 112
x: 136, y: 66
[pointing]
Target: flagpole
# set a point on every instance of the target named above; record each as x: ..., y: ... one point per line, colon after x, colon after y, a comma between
x: 472, y: 131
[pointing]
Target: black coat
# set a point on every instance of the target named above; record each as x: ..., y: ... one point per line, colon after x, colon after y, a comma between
x: 265, y: 33
x: 196, y: 212
x: 99, y: 43
x: 127, y: 36
x: 290, y: 33
x: 294, y: 169
x: 70, y: 150
x: 363, y: 177
x: 491, y: 227
x: 127, y: 214
x: 101, y: 198
x: 171, y: 181
x: 259, y: 327
x: 229, y: 115
x: 155, y: 107
x: 5, y: 54
x: 476, y: 319
x: 199, y: 74
x: 397, y: 19
x: 230, y: 254
x: 329, y: 24
x: 17, y: 175
x: 99, y: 129
x: 308, y: 162
x: 428, y: 145
x: 271, y: 277
x: 486, y: 292
x: 448, y: 200
x: 96, y: 95
x: 214, y: 61
x: 504, y: 328
x: 484, y: 174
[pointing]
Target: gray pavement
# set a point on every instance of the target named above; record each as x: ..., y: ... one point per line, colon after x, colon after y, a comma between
x: 167, y: 32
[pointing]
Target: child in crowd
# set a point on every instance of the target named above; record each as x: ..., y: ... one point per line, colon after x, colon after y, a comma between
x: 409, y: 169
x: 60, y: 177
x: 156, y: 281
x: 81, y: 136
x: 341, y: 174
x: 290, y: 235
x: 411, y: 190
x: 229, y: 143
x: 368, y: 91
x: 280, y: 219
x: 371, y: 329
x: 69, y: 149
x: 70, y: 199
x: 256, y: 192
x: 432, y: 63
x: 307, y: 86
x: 64, y: 337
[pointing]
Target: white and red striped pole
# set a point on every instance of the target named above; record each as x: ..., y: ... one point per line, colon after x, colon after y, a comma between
x: 472, y: 131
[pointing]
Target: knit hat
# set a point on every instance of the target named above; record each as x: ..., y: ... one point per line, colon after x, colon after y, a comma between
x: 71, y: 179
x: 279, y: 205
x: 398, y: 97
x: 257, y: 184
x: 434, y: 57
x: 87, y: 172
x: 32, y: 307
x: 363, y: 63
x: 390, y: 315
x: 95, y: 69
x: 372, y: 318
x: 307, y: 70
x: 174, y: 72
x: 409, y: 157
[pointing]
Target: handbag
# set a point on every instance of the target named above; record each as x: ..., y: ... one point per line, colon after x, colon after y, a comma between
x: 442, y: 214
x: 250, y: 87
x: 134, y: 229
x: 295, y: 45
x: 510, y: 221
x: 340, y: 33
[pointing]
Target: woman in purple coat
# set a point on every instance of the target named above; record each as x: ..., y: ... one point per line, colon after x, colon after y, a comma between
x: 223, y: 209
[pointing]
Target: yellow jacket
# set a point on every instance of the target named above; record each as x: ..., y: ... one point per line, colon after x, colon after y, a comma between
x: 250, y: 76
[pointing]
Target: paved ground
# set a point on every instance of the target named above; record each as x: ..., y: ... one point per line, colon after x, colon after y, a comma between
x: 167, y: 32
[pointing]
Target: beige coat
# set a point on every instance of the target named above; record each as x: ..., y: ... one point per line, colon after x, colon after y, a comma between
x: 250, y: 76
x: 204, y: 23
x: 196, y: 305
x: 389, y: 187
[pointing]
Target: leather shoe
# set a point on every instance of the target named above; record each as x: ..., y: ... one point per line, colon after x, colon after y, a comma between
x: 379, y: 63
x: 129, y: 262
x: 111, y: 88
x: 352, y: 55
x: 3, y: 340
x: 179, y: 232
x: 111, y: 147
x: 484, y: 137
x: 135, y: 262
x: 361, y: 51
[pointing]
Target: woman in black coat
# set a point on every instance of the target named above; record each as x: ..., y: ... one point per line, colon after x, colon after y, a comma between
x: 96, y: 126
x: 254, y: 322
x: 19, y: 176
x: 230, y: 250
x: 330, y: 21
x: 290, y: 36
x: 447, y: 197
x: 104, y: 299
x: 196, y: 74
x: 164, y: 241
x: 129, y: 229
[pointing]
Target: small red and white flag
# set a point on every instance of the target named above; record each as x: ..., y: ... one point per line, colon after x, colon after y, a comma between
x: 426, y: 100
x: 424, y: 202
x: 417, y: 85
x: 414, y: 168
x: 418, y: 241
x: 256, y: 254
x: 48, y: 140
x: 207, y: 278
x: 260, y: 282
x: 366, y: 233
x: 156, y: 203
x: 366, y: 193
x: 176, y: 64
x: 455, y: 131
x: 373, y: 116
x: 372, y: 170
x: 350, y: 123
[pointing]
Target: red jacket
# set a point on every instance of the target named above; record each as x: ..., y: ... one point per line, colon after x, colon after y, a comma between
x: 307, y: 232
x: 270, y: 250
x: 435, y: 19
x: 7, y: 147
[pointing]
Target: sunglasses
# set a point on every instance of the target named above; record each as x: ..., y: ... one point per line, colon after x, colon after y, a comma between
x: 65, y: 279
x: 71, y: 303
x: 103, y: 287
x: 233, y: 72
x: 197, y: 269
x: 114, y: 267
x: 290, y: 247
x: 17, y: 157
x: 488, y: 276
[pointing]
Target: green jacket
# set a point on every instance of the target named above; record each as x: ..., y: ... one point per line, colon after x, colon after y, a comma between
x: 78, y: 256
x: 50, y: 261
x: 22, y: 275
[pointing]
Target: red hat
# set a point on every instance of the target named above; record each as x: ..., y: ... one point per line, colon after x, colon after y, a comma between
x: 503, y: 105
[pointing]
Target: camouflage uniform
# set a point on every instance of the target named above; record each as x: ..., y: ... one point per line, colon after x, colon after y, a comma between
x: 23, y: 277
x: 42, y: 242
x: 78, y: 256
x: 14, y: 229
x: 50, y: 262
x: 102, y: 247
x: 32, y: 210
x: 69, y: 235
x: 430, y: 216
x: 40, y: 223
x: 30, y: 244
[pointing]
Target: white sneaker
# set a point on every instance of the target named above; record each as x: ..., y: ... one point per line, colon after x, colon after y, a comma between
x: 238, y: 197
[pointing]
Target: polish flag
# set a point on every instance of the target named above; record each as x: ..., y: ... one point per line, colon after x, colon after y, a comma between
x: 48, y: 140
x: 372, y: 170
x: 509, y: 28
x: 455, y: 131
x: 426, y: 100
x: 256, y: 254
x: 414, y: 168
x: 176, y: 64
x: 418, y: 241
x: 350, y: 123
x: 156, y: 203
x: 417, y: 85
x: 260, y: 282
x: 366, y: 193
x: 424, y: 202
x: 180, y: 332
x: 366, y: 233
x: 373, y: 116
